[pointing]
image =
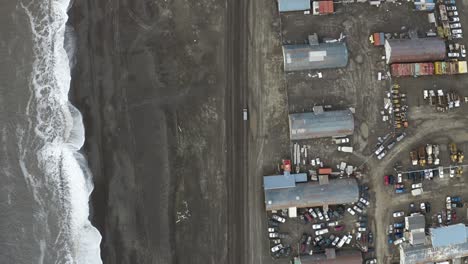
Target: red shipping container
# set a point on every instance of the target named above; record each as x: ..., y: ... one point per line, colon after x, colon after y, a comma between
x: 376, y: 39
x: 324, y: 171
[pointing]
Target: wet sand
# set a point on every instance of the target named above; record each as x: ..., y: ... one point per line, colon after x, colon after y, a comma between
x: 150, y: 83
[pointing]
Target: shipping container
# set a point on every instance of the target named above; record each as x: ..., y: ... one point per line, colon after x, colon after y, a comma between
x: 376, y: 39
x: 322, y: 7
x: 325, y: 171
x: 412, y: 69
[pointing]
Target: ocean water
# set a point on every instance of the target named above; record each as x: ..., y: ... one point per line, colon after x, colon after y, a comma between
x: 45, y: 180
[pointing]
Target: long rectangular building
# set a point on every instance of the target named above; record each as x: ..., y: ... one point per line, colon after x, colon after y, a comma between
x: 311, y: 194
x: 414, y: 50
x: 319, y: 56
x: 324, y: 124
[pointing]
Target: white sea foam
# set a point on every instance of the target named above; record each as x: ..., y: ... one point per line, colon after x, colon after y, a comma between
x: 60, y: 127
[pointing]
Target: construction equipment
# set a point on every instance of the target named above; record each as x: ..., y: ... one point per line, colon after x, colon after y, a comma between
x: 459, y: 171
x: 414, y: 158
x: 453, y: 152
x: 435, y: 150
x: 429, y: 154
x: 422, y: 156
x: 460, y: 156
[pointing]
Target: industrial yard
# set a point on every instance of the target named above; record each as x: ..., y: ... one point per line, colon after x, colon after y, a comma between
x: 377, y: 105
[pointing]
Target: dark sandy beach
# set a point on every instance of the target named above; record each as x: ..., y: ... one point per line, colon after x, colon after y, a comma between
x: 149, y: 81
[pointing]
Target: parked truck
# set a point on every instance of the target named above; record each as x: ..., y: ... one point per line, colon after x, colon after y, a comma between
x: 422, y: 156
x: 435, y: 150
x: 453, y: 152
x: 345, y: 149
x: 414, y: 158
x: 429, y: 154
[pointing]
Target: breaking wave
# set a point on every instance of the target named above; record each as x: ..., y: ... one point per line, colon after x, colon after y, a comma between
x: 58, y: 136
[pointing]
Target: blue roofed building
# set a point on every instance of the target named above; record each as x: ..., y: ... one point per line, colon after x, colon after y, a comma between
x: 315, y: 56
x: 424, y: 5
x: 293, y: 5
x: 283, y: 181
x: 447, y: 243
x: 448, y: 235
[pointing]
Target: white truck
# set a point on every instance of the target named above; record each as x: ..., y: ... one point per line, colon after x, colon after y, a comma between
x: 429, y: 154
x: 416, y: 192
x: 245, y: 114
x: 345, y: 149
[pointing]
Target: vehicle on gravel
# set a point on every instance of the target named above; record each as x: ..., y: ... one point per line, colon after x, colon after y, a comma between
x: 278, y: 218
x: 398, y: 214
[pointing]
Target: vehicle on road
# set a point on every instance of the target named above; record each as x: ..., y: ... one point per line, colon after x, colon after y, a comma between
x: 278, y: 218
x: 245, y: 114
x: 398, y: 214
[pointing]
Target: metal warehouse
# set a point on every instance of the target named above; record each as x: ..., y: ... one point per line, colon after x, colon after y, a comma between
x: 319, y: 56
x: 293, y: 5
x: 323, y: 124
x: 414, y: 50
x: 332, y: 257
x: 448, y: 242
x: 311, y: 194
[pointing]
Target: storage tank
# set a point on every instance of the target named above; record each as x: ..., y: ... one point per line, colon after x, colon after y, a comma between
x: 414, y: 50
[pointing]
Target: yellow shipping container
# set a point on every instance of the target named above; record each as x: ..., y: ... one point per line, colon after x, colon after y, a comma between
x: 462, y: 68
x: 438, y: 67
